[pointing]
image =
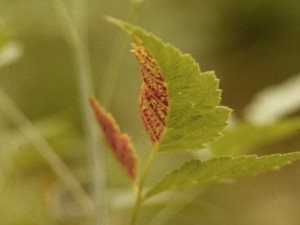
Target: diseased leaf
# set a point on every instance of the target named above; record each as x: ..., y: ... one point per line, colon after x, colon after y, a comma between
x: 215, y: 170
x: 153, y: 101
x: 120, y: 144
x: 178, y: 103
x: 243, y: 137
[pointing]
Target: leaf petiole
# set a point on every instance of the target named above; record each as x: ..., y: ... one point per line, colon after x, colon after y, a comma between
x: 139, y: 194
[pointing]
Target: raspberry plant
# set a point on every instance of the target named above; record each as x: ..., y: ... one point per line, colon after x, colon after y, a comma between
x: 179, y: 107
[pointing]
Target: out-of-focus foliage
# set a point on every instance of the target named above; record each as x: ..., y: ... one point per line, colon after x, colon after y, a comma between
x: 245, y: 136
x: 250, y: 44
x: 10, y: 51
x: 276, y: 102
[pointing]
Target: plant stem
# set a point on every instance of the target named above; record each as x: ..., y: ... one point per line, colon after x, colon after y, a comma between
x: 139, y: 197
x: 173, y: 208
x: 34, y: 136
x: 85, y: 85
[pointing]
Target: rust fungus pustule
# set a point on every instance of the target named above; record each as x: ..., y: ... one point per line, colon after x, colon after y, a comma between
x: 153, y: 102
x: 120, y: 143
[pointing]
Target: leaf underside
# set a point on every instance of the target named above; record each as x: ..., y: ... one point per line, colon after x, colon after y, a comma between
x: 120, y: 144
x: 178, y: 103
x: 215, y: 170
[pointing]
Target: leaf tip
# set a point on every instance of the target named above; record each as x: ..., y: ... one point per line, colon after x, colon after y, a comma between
x: 115, y: 21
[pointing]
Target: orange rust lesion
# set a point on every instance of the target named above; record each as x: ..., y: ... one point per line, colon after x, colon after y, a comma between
x: 153, y: 100
x: 120, y: 143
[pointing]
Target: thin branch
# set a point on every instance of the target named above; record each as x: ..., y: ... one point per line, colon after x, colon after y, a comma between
x: 85, y: 85
x: 140, y: 188
x: 173, y: 208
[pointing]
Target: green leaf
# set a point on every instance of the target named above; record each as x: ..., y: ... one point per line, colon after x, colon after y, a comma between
x: 246, y: 136
x: 178, y: 103
x: 215, y: 170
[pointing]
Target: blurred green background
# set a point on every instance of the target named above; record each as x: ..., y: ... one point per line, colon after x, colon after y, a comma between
x: 250, y: 44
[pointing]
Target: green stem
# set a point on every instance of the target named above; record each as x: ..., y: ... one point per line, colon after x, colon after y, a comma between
x: 139, y: 195
x: 174, y: 206
x: 85, y: 85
